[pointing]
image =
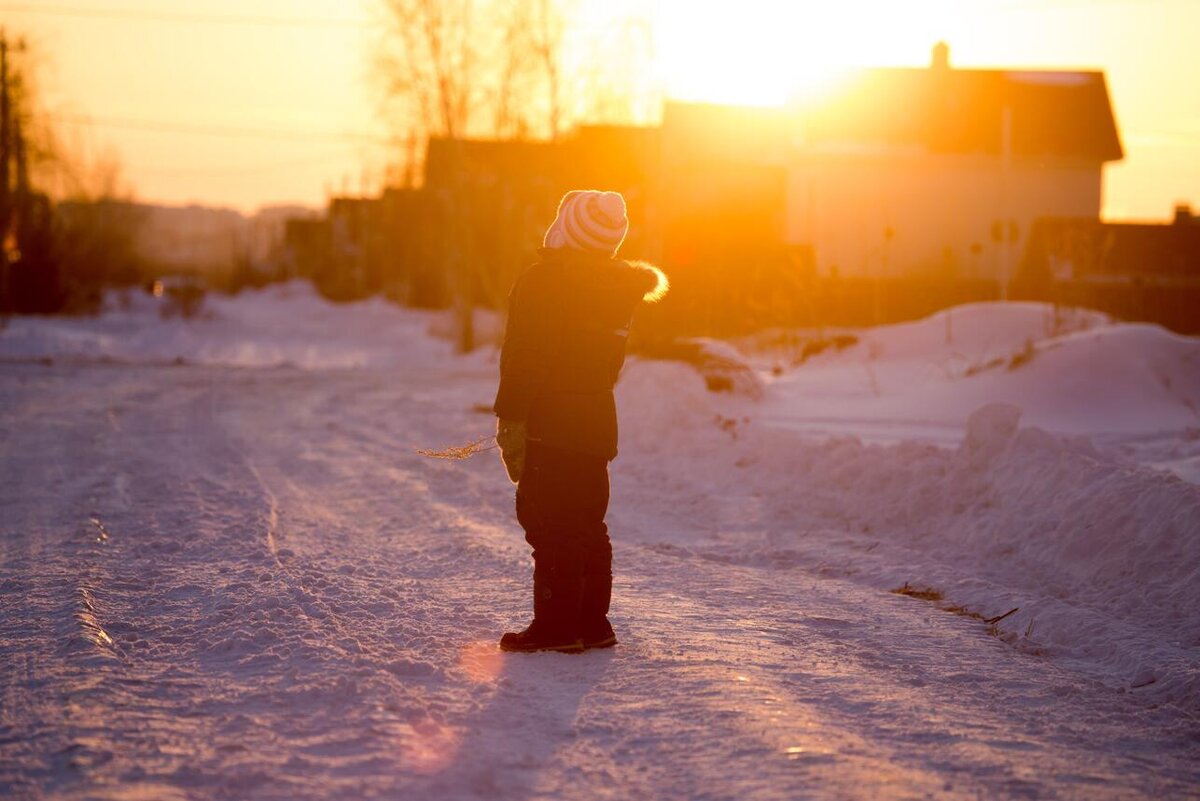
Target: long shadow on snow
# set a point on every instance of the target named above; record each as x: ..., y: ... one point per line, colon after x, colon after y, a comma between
x: 532, y: 714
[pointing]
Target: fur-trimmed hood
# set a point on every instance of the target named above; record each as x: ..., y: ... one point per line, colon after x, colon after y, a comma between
x: 655, y: 280
x: 641, y: 277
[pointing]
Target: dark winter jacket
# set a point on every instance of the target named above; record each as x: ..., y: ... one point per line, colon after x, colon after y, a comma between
x: 568, y: 320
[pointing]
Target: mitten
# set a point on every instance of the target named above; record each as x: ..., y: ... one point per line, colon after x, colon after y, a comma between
x: 510, y: 436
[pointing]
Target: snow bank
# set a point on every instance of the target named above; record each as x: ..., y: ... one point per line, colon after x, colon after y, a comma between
x: 909, y: 381
x: 1100, y: 557
x: 1007, y: 457
x: 281, y: 325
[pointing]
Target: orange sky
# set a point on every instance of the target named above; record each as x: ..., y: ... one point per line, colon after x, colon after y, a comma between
x: 244, y: 113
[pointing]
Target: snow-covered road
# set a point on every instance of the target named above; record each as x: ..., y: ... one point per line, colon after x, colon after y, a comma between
x: 243, y: 583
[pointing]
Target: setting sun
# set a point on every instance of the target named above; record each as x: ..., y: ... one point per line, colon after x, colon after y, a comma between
x: 763, y: 52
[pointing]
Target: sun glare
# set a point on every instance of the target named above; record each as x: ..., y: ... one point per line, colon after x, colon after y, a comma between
x: 765, y: 52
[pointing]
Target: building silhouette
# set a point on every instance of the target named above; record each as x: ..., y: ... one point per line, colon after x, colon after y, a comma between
x: 901, y: 192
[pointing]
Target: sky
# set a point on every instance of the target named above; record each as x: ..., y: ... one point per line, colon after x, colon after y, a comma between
x: 245, y: 103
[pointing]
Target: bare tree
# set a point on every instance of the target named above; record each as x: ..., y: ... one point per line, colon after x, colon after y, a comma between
x: 511, y: 118
x: 60, y: 254
x: 620, y: 93
x: 547, y: 32
x: 430, y: 59
x: 454, y: 69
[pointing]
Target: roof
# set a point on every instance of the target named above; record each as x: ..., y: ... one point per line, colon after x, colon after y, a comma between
x: 944, y: 110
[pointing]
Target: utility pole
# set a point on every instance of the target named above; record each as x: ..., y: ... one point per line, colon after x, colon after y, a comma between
x: 21, y: 158
x: 5, y: 135
x: 12, y: 149
x: 5, y: 203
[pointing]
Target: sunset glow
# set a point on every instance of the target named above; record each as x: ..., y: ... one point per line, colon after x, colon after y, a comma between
x: 306, y: 111
x: 761, y: 52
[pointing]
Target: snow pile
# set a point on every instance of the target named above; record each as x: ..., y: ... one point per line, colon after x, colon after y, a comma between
x: 908, y: 381
x: 281, y: 325
x: 1011, y: 460
x: 1099, y: 556
x: 973, y: 333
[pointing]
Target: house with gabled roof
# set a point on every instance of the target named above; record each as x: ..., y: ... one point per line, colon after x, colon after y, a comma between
x: 943, y: 171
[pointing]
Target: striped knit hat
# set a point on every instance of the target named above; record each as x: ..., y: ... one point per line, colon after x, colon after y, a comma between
x: 589, y: 220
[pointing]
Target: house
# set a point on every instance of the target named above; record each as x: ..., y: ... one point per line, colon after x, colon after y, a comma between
x: 941, y: 172
x: 899, y: 192
x: 191, y: 239
x: 411, y: 273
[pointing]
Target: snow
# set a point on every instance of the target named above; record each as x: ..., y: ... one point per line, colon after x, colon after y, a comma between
x: 226, y: 573
x: 279, y: 326
x: 1092, y: 378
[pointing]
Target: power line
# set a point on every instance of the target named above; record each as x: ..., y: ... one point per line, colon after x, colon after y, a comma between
x: 168, y: 16
x: 159, y: 126
x: 230, y: 171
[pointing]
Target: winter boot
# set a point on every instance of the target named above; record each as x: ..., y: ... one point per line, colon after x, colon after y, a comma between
x: 594, y: 629
x: 555, y: 610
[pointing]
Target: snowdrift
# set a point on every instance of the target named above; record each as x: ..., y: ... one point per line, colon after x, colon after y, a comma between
x: 1076, y: 373
x: 1100, y: 557
x: 283, y: 325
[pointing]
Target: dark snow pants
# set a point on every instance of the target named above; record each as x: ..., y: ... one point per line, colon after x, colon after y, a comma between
x: 561, y: 502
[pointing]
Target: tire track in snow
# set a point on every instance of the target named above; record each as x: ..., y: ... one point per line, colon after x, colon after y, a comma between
x: 323, y: 534
x: 317, y: 614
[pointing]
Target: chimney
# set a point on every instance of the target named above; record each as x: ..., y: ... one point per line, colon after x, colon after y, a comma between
x: 1184, y: 215
x: 941, y: 57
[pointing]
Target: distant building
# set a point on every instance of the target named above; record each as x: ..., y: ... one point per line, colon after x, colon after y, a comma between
x: 487, y: 199
x: 901, y: 192
x: 1147, y: 271
x: 195, y: 239
x: 943, y: 171
x: 222, y: 246
x: 307, y: 247
x: 723, y: 193
x: 412, y: 274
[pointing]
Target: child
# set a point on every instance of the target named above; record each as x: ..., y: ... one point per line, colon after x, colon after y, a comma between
x: 568, y: 320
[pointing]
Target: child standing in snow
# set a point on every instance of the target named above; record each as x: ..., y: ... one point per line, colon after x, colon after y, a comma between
x: 564, y: 345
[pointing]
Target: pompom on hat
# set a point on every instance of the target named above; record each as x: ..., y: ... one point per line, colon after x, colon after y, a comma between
x: 589, y: 220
